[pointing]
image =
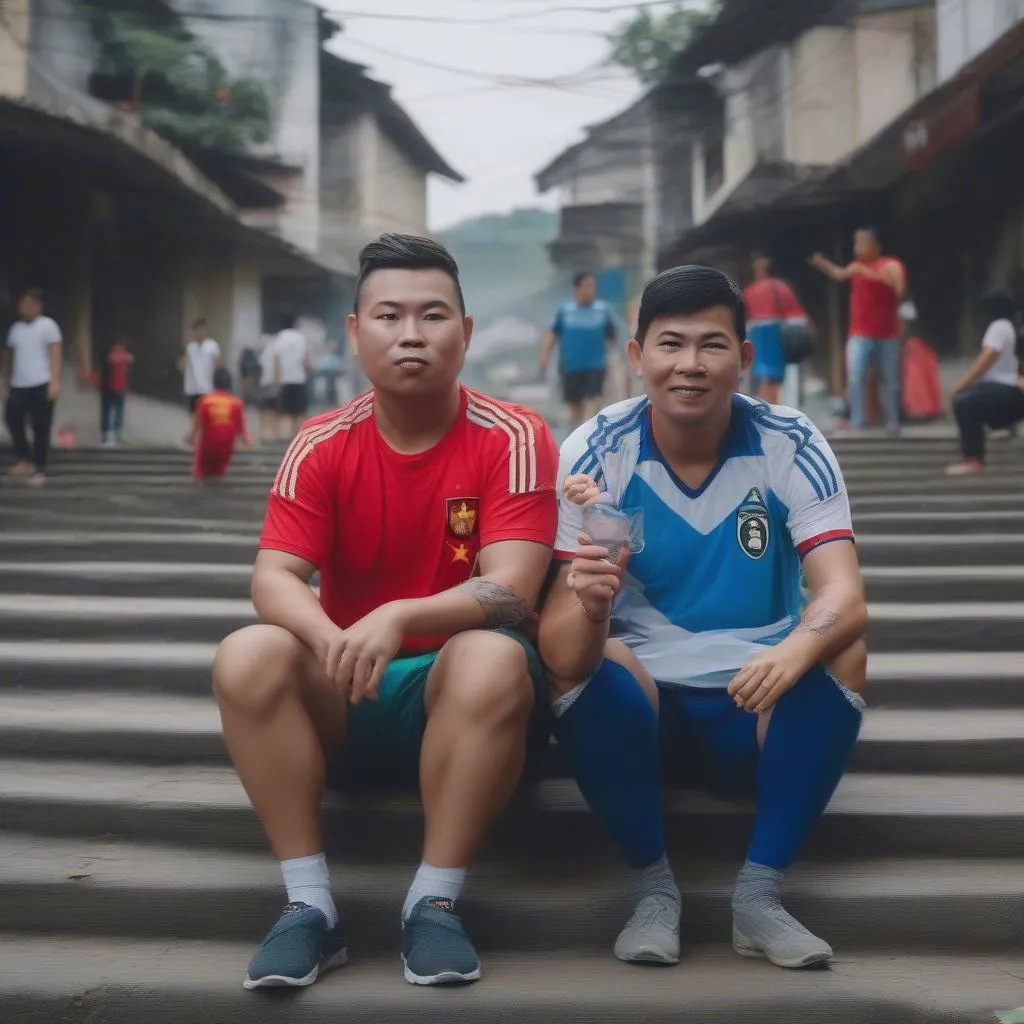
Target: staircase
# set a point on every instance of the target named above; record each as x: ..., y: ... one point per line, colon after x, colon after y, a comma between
x: 135, y: 882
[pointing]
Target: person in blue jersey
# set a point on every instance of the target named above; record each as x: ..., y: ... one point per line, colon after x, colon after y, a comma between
x: 730, y: 644
x: 583, y: 329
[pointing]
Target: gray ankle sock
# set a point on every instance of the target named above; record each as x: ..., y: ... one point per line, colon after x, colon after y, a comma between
x: 656, y: 880
x: 760, y: 921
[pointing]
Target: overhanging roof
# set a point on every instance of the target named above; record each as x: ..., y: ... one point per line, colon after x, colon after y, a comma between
x: 120, y: 154
x: 346, y: 81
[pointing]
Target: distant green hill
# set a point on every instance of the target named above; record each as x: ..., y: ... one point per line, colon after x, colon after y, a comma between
x: 503, y: 260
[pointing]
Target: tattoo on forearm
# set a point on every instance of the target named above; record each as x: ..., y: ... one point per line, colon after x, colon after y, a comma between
x: 818, y: 623
x: 501, y: 607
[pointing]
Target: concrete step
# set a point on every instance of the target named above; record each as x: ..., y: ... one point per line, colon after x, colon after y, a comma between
x: 127, y: 579
x: 168, y: 982
x: 108, y: 889
x: 923, y: 584
x: 963, y: 521
x: 876, y: 815
x: 988, y: 679
x: 185, y: 730
x: 959, y: 626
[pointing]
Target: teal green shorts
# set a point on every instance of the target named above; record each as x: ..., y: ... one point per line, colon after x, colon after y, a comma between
x: 385, y: 735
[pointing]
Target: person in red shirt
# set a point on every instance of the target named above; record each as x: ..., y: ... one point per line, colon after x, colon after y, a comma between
x: 769, y: 303
x: 877, y: 286
x: 217, y: 423
x: 115, y: 389
x: 429, y: 511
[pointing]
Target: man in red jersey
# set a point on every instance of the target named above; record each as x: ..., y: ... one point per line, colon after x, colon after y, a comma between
x: 430, y: 512
x: 219, y: 420
x: 877, y: 286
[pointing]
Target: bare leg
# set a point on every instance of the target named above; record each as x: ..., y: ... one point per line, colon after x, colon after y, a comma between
x: 279, y: 715
x: 479, y: 698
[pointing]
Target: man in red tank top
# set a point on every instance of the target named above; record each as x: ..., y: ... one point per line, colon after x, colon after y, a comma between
x: 877, y: 286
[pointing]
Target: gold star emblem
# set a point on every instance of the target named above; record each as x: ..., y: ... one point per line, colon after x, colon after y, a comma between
x: 460, y: 553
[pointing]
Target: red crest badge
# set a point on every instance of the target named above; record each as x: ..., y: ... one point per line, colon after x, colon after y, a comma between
x: 463, y: 516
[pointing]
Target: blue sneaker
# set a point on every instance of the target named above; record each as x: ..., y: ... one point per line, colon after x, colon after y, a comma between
x: 297, y: 949
x: 435, y: 948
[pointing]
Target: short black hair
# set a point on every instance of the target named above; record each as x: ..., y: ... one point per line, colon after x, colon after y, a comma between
x: 687, y: 290
x: 582, y: 275
x: 33, y: 293
x: 999, y: 304
x: 222, y: 379
x: 200, y: 322
x: 406, y: 252
x: 286, y: 320
x: 870, y: 229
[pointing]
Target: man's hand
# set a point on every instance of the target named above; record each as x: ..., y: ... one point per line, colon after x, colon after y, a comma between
x: 595, y: 580
x: 580, y: 489
x: 764, y: 679
x: 356, y: 658
x: 53, y: 390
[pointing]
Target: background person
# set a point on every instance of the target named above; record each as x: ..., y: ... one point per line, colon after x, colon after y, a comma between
x: 877, y: 286
x: 989, y: 395
x: 30, y: 378
x: 583, y: 329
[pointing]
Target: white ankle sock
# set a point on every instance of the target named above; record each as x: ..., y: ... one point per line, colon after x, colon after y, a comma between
x: 308, y: 882
x: 445, y: 883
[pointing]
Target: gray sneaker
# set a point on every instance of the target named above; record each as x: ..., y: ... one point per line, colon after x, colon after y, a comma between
x: 652, y: 934
x: 778, y: 937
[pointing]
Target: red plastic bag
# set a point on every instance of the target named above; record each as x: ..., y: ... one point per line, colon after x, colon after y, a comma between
x: 922, y: 385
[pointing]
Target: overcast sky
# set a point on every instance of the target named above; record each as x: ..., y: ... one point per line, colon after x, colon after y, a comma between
x: 450, y: 66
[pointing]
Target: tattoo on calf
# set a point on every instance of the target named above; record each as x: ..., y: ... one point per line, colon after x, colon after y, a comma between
x: 501, y: 607
x: 818, y: 624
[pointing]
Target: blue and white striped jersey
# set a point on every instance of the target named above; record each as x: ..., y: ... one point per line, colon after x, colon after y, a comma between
x: 719, y: 576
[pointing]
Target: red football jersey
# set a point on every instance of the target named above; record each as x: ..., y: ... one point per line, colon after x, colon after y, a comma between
x: 221, y: 419
x: 382, y: 526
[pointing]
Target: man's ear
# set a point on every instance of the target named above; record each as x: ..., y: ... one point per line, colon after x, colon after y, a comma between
x: 635, y: 354
x: 746, y: 355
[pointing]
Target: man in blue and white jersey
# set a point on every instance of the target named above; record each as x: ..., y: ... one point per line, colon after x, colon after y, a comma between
x: 720, y: 645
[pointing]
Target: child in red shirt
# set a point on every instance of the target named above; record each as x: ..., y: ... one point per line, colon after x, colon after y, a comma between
x: 218, y: 420
x: 115, y: 387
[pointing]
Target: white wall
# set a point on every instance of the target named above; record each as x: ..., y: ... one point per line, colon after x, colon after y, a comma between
x: 966, y: 27
x: 14, y: 37
x: 821, y: 126
x: 400, y: 196
x: 62, y: 50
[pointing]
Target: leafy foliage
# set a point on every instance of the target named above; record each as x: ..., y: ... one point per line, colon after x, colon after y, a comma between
x: 180, y: 85
x: 646, y: 44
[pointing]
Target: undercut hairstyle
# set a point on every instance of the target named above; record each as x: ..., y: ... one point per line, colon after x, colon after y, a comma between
x: 582, y: 275
x: 406, y: 252
x: 685, y: 291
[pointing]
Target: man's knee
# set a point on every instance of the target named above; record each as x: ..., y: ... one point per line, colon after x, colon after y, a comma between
x: 483, y: 677
x: 256, y: 666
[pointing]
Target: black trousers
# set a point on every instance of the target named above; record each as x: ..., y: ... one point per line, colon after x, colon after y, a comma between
x: 34, y: 405
x: 988, y: 404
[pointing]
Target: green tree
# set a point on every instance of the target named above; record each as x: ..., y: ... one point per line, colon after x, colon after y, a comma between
x: 646, y: 44
x: 177, y: 84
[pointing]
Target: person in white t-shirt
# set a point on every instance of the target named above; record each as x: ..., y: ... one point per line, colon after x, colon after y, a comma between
x: 990, y: 394
x: 266, y: 392
x: 30, y: 378
x: 293, y: 359
x: 201, y: 358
